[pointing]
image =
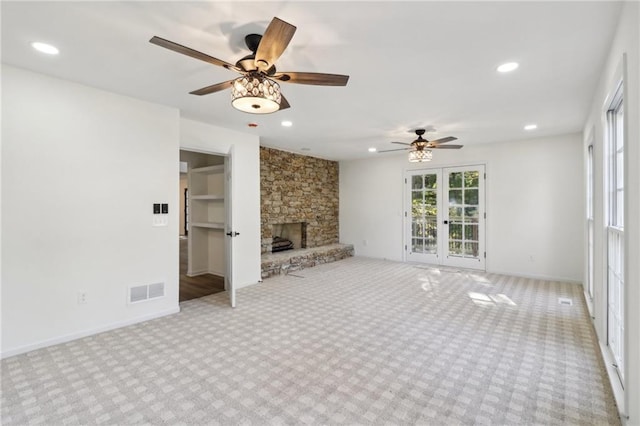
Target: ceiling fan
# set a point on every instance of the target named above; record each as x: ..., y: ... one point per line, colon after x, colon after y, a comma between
x: 420, y: 149
x: 257, y: 91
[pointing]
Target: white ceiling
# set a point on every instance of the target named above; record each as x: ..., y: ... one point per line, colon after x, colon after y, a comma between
x: 411, y: 64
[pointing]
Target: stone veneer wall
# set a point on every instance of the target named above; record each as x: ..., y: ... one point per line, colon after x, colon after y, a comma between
x: 296, y: 188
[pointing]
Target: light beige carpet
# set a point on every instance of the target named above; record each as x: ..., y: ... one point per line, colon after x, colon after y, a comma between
x: 359, y: 341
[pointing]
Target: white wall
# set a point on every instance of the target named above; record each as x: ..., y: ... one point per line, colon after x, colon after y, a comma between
x: 534, y: 204
x: 626, y: 43
x: 81, y: 169
x: 245, y: 198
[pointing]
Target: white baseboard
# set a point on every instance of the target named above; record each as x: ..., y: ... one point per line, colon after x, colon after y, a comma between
x: 536, y: 277
x: 206, y: 271
x: 197, y: 272
x: 85, y: 333
x: 491, y: 271
x: 239, y: 286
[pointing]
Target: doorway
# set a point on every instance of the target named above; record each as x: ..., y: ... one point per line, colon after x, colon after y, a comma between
x: 201, y: 231
x: 445, y: 216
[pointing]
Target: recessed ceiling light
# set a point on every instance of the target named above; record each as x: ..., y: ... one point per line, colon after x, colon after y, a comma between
x: 45, y: 48
x: 508, y: 67
x: 531, y: 127
x: 372, y: 149
x: 287, y: 123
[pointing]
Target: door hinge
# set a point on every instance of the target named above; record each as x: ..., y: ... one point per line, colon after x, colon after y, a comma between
x: 405, y: 247
x: 485, y: 215
x: 485, y: 254
x: 485, y: 176
x: 405, y: 180
x: 405, y: 214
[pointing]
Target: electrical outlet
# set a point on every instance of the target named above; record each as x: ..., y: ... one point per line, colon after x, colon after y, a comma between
x: 82, y: 298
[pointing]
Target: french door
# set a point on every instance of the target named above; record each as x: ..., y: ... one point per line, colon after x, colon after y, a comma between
x: 445, y: 216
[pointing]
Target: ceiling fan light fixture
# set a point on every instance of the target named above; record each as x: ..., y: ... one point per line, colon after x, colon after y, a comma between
x: 255, y: 94
x: 420, y: 155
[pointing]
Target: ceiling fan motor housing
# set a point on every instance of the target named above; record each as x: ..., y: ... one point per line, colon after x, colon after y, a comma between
x: 253, y: 41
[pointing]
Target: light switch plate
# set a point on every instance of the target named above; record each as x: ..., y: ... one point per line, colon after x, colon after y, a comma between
x: 160, y: 220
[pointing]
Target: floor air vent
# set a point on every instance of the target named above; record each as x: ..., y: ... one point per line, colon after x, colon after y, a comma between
x: 565, y: 301
x: 140, y: 293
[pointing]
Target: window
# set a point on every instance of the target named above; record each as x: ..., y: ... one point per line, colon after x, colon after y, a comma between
x: 590, y: 221
x: 614, y: 202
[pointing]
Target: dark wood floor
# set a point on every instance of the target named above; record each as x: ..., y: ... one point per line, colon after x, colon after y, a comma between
x: 194, y: 287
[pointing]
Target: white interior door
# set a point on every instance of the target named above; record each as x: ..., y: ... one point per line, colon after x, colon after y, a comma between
x: 230, y: 233
x: 445, y: 216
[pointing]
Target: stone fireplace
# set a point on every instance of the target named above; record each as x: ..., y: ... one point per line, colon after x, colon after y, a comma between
x: 300, y: 192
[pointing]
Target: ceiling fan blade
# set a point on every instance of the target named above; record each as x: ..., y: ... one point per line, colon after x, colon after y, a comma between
x: 213, y: 88
x: 402, y: 143
x: 444, y: 140
x: 314, y: 78
x: 193, y: 53
x: 444, y: 147
x: 274, y: 41
x: 284, y: 104
x: 390, y: 150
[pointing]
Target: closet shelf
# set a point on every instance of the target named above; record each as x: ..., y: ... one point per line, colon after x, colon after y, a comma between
x: 208, y: 197
x: 209, y: 169
x: 210, y: 225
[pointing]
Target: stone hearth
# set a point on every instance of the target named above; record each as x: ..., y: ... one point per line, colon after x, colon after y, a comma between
x: 294, y: 260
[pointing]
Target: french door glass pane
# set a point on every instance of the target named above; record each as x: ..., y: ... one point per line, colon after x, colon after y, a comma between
x: 455, y: 247
x: 416, y: 229
x: 472, y: 179
x: 455, y: 231
x: 471, y: 196
x: 430, y: 199
x: 455, y: 180
x: 455, y: 213
x: 471, y: 214
x: 455, y: 196
x: 471, y: 249
x: 471, y: 232
x: 430, y: 181
x: 417, y: 182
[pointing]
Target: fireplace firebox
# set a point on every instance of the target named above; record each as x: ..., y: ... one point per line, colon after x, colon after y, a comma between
x: 288, y: 236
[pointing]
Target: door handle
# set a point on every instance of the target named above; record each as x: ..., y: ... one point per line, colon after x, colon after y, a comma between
x: 446, y: 222
x: 233, y: 234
